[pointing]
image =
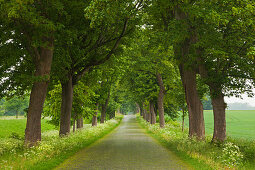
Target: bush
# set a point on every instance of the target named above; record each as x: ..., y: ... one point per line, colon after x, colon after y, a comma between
x: 231, y: 155
x: 15, y: 135
x: 167, y: 118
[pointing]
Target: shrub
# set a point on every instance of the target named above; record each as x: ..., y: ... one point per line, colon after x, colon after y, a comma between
x: 167, y: 118
x: 231, y: 155
x: 15, y: 135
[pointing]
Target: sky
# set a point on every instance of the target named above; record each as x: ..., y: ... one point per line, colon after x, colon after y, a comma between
x: 246, y: 99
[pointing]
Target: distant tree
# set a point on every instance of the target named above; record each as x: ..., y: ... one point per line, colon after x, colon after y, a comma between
x: 207, y: 103
x: 2, y: 109
x: 15, y: 105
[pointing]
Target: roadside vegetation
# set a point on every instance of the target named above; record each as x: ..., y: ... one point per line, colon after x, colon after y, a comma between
x: 52, y: 150
x: 10, y: 127
x: 234, y: 153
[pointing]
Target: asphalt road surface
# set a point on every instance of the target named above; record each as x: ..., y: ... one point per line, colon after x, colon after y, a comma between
x: 127, y: 147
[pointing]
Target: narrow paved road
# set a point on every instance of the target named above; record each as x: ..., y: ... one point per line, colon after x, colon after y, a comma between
x: 127, y: 147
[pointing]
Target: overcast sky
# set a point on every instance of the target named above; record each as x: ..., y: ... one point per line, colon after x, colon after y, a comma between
x: 246, y: 99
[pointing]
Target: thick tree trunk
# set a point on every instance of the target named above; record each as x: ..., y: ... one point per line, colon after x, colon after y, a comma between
x: 195, y: 107
x: 66, y: 107
x: 219, y: 106
x: 218, y: 103
x: 188, y: 76
x: 104, y: 107
x: 38, y: 94
x: 94, y: 119
x: 161, y: 100
x: 152, y: 113
x: 80, y: 123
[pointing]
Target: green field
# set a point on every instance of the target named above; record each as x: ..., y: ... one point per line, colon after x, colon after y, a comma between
x: 9, y: 125
x: 240, y: 123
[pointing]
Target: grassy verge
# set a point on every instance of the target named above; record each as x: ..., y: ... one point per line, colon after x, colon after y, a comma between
x: 53, y: 150
x: 233, y: 154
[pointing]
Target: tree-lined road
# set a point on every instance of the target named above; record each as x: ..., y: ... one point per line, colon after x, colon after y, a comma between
x: 128, y: 147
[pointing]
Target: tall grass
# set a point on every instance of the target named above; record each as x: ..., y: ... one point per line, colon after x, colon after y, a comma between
x: 233, y: 154
x: 52, y: 150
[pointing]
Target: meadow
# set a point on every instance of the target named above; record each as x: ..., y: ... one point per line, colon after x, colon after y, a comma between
x: 11, y: 127
x: 240, y: 123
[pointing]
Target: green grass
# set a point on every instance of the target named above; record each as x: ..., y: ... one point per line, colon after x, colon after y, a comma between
x: 234, y: 153
x: 9, y: 125
x: 192, y: 162
x: 240, y: 123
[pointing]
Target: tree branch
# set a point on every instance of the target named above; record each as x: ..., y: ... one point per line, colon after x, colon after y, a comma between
x: 113, y: 48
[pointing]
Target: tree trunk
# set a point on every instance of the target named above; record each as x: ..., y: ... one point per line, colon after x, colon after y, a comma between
x: 219, y: 106
x: 146, y: 115
x: 161, y: 100
x: 152, y: 112
x: 74, y: 125
x: 94, y: 119
x: 195, y: 107
x: 156, y: 110
x: 80, y: 123
x: 144, y: 112
x: 218, y: 103
x: 183, y: 118
x: 17, y: 114
x: 188, y: 76
x: 141, y: 109
x: 104, y: 107
x: 66, y: 107
x: 137, y: 108
x: 38, y: 95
